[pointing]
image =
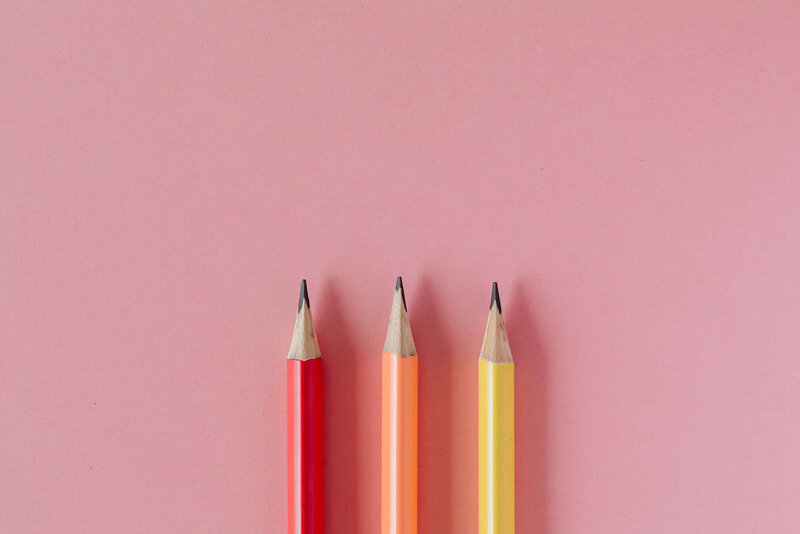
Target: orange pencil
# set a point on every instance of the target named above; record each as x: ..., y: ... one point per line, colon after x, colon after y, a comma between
x: 399, y: 423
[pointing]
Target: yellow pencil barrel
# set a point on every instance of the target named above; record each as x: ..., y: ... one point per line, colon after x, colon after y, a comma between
x: 496, y: 447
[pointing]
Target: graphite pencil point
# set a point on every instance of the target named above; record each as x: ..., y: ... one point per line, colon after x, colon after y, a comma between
x: 495, y: 298
x: 303, y: 296
x: 399, y: 287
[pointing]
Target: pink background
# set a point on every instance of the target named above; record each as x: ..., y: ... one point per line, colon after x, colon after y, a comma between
x: 628, y: 172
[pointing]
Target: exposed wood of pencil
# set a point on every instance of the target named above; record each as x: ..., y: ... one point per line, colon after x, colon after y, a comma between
x: 398, y: 337
x: 304, y: 340
x: 495, y: 341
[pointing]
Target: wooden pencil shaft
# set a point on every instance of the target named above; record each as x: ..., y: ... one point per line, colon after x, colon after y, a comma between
x: 304, y: 425
x: 305, y: 452
x: 399, y: 414
x: 495, y: 447
x: 399, y: 444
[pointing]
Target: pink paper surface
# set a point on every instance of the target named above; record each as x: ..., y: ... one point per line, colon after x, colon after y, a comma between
x: 629, y: 172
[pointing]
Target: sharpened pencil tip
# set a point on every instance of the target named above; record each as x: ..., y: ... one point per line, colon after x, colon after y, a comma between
x: 303, y: 296
x: 399, y: 287
x: 495, y: 298
x: 399, y: 340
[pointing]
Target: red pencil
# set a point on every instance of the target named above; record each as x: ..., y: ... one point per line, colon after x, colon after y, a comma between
x: 304, y: 414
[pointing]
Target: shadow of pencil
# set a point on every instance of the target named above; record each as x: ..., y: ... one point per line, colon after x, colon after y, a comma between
x: 339, y: 384
x: 435, y: 470
x: 530, y: 369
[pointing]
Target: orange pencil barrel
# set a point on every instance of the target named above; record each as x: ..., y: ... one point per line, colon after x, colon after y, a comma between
x: 399, y: 445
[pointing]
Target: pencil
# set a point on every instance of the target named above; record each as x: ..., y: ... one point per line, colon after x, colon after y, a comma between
x: 304, y: 415
x: 399, y: 423
x: 495, y: 426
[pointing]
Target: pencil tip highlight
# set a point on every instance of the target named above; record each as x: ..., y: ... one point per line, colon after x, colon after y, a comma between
x: 303, y: 296
x: 399, y: 287
x: 495, y: 298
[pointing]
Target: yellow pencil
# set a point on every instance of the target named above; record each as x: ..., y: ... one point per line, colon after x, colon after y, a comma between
x: 495, y: 427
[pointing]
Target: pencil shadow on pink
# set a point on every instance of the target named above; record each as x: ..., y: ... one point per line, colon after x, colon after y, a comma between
x: 339, y: 383
x: 530, y: 369
x: 435, y: 471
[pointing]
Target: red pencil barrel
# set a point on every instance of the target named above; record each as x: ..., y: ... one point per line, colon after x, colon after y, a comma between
x: 304, y: 389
